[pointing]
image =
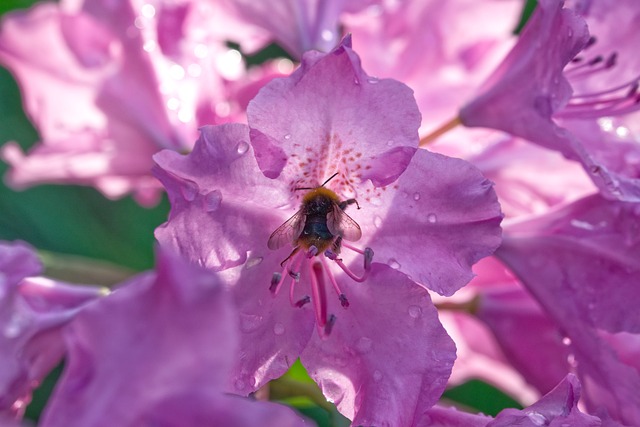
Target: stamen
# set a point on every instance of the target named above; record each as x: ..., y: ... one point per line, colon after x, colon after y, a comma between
x: 350, y: 273
x: 312, y: 251
x: 343, y: 298
x: 451, y: 124
x: 329, y: 326
x: 295, y: 276
x: 303, y: 301
x: 276, y: 282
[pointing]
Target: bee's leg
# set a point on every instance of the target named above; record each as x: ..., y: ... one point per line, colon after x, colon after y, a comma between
x: 343, y: 204
x: 293, y: 252
x: 337, y: 245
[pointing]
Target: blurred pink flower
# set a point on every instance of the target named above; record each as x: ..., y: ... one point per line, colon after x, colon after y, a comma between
x: 580, y: 263
x: 560, y: 77
x: 296, y: 25
x: 442, y: 50
x: 33, y: 311
x: 427, y: 216
x: 559, y: 407
x: 108, y: 84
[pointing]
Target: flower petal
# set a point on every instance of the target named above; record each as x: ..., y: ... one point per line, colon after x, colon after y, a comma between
x: 32, y: 312
x: 360, y: 366
x: 154, y: 337
x: 444, y: 217
x: 558, y: 407
x: 312, y: 124
x: 222, y: 206
x: 589, y: 251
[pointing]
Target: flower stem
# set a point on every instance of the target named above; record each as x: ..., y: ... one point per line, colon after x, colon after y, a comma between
x: 440, y: 131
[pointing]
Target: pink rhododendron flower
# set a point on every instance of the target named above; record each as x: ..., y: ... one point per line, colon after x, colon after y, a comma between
x: 557, y: 408
x: 108, y: 84
x: 156, y: 351
x: 588, y: 251
x: 33, y: 310
x: 427, y: 216
x: 297, y: 26
x: 442, y: 50
x: 560, y: 72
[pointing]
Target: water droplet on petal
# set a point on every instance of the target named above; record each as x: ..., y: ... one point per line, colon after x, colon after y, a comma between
x: 15, y: 326
x: 566, y: 341
x: 373, y: 80
x: 327, y: 35
x: 278, y: 328
x: 377, y: 221
x: 356, y: 81
x: 212, y: 200
x: 376, y: 201
x: 416, y: 196
x: 252, y: 262
x: 189, y: 190
x: 415, y: 311
x: 432, y: 218
x: 249, y: 322
x: 377, y: 375
x: 242, y: 147
x: 390, y: 142
x: 287, y: 136
x: 364, y: 344
x: 393, y: 263
x: 537, y: 418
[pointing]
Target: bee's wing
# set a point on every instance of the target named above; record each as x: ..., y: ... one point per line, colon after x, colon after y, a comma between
x: 341, y: 224
x: 287, y: 232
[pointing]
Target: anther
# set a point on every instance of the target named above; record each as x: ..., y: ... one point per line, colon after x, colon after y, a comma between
x: 303, y: 301
x: 592, y: 40
x: 312, y: 251
x: 596, y: 60
x: 611, y: 60
x: 294, y: 275
x: 343, y: 300
x: 276, y: 281
x: 368, y: 258
x: 329, y: 326
x: 331, y: 254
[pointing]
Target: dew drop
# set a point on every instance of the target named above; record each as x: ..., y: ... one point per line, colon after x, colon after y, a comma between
x: 364, y: 345
x: 327, y: 35
x: 278, y: 328
x: 377, y: 375
x: 252, y: 262
x: 249, y: 322
x: 566, y: 341
x: 376, y: 201
x: 287, y: 136
x: 377, y: 221
x: 189, y: 190
x: 356, y: 81
x: 373, y: 80
x: 242, y: 147
x: 415, y: 311
x: 212, y: 200
x: 432, y: 218
x: 537, y: 418
x: 390, y: 142
x: 416, y: 196
x: 393, y: 263
x: 15, y: 326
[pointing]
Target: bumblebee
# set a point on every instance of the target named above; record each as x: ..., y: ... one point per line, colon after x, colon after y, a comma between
x: 320, y: 223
